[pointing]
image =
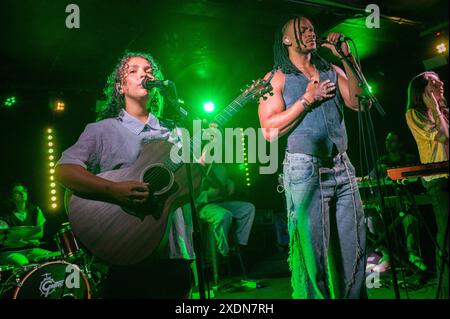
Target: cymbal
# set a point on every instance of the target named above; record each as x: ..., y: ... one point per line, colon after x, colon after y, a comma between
x: 19, y: 231
x: 50, y: 255
x: 17, y: 236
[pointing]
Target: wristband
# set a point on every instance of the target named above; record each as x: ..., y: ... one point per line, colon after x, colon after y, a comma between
x: 306, y: 104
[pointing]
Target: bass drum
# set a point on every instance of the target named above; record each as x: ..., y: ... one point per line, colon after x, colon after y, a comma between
x: 53, y: 280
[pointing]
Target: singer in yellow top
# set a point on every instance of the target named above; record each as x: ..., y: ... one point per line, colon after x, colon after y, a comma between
x: 427, y: 118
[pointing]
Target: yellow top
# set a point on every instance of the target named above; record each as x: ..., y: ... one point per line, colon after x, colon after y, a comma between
x: 424, y: 131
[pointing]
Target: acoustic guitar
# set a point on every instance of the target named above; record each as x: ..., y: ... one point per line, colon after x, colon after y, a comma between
x: 121, y: 236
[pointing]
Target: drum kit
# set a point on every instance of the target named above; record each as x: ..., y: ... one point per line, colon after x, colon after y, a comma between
x: 66, y: 274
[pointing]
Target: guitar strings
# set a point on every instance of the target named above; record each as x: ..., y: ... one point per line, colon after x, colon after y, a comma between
x: 156, y: 174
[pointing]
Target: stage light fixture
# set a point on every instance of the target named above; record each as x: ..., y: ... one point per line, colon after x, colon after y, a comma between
x: 208, y: 107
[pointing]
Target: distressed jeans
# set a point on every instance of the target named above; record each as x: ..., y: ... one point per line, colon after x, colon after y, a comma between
x: 326, y: 227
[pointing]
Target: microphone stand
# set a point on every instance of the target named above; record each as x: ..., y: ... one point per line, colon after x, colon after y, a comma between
x: 197, y: 240
x: 367, y: 98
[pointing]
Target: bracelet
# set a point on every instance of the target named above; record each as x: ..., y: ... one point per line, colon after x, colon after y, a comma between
x: 306, y: 104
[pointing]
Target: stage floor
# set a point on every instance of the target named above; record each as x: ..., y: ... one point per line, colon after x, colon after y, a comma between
x: 270, y: 279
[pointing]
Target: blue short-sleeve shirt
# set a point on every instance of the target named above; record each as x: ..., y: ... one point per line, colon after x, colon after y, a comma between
x: 116, y: 143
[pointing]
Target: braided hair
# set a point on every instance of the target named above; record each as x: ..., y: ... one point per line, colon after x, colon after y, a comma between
x: 281, y: 55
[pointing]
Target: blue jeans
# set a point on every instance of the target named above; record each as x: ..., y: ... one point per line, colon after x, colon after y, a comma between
x: 326, y: 227
x: 220, y: 215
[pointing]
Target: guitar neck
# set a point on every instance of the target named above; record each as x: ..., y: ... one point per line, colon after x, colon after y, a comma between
x: 234, y: 107
x: 221, y: 119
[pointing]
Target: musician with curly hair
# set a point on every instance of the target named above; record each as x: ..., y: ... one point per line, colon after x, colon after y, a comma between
x: 114, y: 142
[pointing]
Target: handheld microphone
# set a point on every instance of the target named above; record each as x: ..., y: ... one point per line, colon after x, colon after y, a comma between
x: 148, y: 84
x: 323, y: 40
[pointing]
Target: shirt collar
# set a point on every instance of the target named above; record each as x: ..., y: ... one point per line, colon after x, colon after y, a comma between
x: 136, y: 126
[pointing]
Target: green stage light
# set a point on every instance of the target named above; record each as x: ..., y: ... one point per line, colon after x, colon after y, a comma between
x: 208, y: 107
x: 9, y: 102
x: 51, y: 162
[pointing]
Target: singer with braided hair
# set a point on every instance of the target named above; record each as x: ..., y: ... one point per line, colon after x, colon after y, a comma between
x: 325, y: 215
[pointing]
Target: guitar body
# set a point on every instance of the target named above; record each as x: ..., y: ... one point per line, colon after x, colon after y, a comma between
x: 123, y: 237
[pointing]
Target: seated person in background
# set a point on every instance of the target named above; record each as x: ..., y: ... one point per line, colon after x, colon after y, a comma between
x: 395, y: 157
x: 22, y: 213
x: 216, y: 208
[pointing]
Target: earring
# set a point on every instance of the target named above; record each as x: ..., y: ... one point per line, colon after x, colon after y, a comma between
x: 119, y: 88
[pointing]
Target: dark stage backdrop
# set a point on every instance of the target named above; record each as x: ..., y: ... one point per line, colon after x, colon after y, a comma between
x: 209, y: 49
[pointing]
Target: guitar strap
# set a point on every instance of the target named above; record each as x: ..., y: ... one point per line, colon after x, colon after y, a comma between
x: 167, y: 123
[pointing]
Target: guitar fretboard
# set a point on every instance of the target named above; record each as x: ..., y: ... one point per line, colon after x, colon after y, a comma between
x: 221, y: 119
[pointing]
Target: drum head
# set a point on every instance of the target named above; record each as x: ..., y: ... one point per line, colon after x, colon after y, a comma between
x: 53, y: 280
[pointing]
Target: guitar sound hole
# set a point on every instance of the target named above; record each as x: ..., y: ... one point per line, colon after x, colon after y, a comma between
x: 158, y: 177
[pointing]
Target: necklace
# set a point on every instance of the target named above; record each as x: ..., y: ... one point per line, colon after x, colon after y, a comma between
x: 315, y: 76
